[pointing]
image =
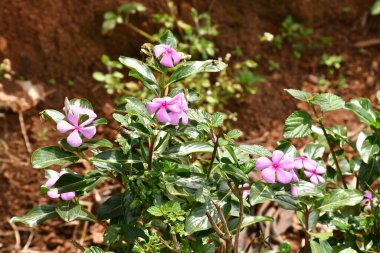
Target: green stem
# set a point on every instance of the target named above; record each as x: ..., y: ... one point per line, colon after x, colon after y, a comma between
x: 241, y: 216
x: 216, y: 144
x: 319, y: 120
x: 306, y: 249
x: 141, y: 32
x: 151, y: 150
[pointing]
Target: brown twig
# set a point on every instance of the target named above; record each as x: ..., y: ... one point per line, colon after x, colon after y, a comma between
x: 214, y: 225
x: 241, y: 216
x: 177, y: 246
x: 24, y: 133
x: 17, y: 236
x: 227, y: 233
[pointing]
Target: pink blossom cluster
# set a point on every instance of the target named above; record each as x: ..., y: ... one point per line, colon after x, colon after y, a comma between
x: 282, y: 169
x: 169, y: 110
x: 71, y: 122
x: 53, y: 193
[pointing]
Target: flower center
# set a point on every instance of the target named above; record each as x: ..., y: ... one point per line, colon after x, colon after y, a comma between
x: 169, y: 50
x: 78, y: 128
x: 164, y: 104
x: 276, y: 166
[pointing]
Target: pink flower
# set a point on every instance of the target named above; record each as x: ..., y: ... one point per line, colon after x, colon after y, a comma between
x: 315, y: 174
x: 246, y: 191
x: 177, y: 107
x: 170, y: 55
x: 53, y: 193
x: 368, y: 199
x: 294, y: 190
x: 304, y: 162
x: 280, y: 167
x: 74, y: 139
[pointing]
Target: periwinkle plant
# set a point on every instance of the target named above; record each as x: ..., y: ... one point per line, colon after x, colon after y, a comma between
x: 184, y: 184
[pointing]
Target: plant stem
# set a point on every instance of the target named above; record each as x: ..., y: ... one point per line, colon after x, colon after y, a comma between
x: 227, y: 235
x: 216, y: 144
x: 151, y: 150
x: 141, y: 32
x: 241, y: 216
x: 177, y: 246
x: 306, y: 249
x: 319, y: 120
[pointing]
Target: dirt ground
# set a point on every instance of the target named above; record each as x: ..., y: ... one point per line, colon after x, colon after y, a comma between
x: 61, y: 41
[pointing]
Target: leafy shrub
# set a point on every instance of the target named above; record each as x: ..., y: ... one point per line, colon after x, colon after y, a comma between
x: 184, y: 184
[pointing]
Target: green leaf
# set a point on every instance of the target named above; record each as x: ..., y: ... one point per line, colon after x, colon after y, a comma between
x: 112, y: 234
x: 168, y: 39
x: 197, y: 219
x: 248, y: 220
x: 339, y: 198
x: 299, y: 94
x: 142, y: 72
x: 70, y: 211
x: 378, y: 92
x: 369, y: 172
x: 362, y: 107
x: 155, y: 211
x: 136, y: 107
x: 314, y: 151
x: 260, y: 193
x: 321, y: 247
x: 368, y: 146
x: 95, y: 249
x: 103, y: 143
x: 101, y: 121
x: 328, y: 102
x: 193, y: 67
x: 111, y: 208
x: 73, y: 182
x: 188, y: 148
x: 52, y: 155
x: 234, y: 134
x: 37, y: 215
x: 375, y: 10
x: 217, y: 119
x: 52, y: 114
x: 297, y: 125
x: 254, y: 150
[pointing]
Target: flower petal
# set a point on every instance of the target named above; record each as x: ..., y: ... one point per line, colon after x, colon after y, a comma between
x: 287, y: 164
x: 63, y: 126
x: 53, y: 194
x: 88, y: 132
x: 263, y: 162
x: 294, y: 191
x: 314, y: 179
x: 74, y: 139
x: 51, y: 181
x: 167, y: 61
x: 298, y: 163
x: 174, y: 107
x: 294, y: 176
x: 320, y: 179
x: 174, y: 118
x: 159, y: 50
x: 73, y: 119
x: 310, y: 164
x: 185, y: 118
x: 284, y: 177
x: 277, y: 156
x: 321, y: 170
x: 68, y: 196
x: 152, y: 107
x: 176, y: 56
x: 268, y: 175
x: 308, y: 174
x: 163, y: 116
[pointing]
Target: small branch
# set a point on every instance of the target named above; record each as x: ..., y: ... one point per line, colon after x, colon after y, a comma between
x: 29, y: 241
x: 177, y: 246
x: 78, y: 245
x: 249, y: 245
x: 227, y: 233
x: 241, y: 216
x: 151, y: 150
x: 166, y: 244
x: 331, y: 147
x: 17, y: 236
x: 214, y: 225
x: 306, y: 250
x: 24, y: 133
x: 216, y: 144
x: 141, y: 32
